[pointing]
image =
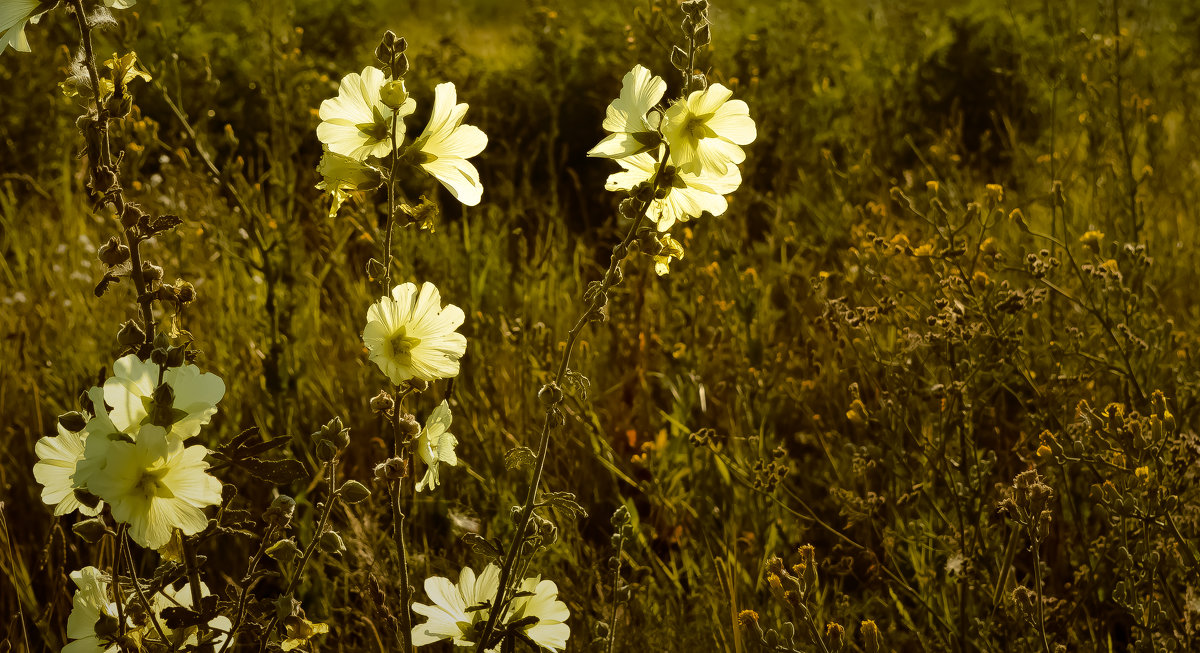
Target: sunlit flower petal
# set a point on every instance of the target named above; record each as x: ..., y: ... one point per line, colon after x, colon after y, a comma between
x: 705, y: 129
x: 357, y: 123
x: 436, y: 445
x: 410, y: 335
x: 626, y: 118
x: 690, y: 196
x: 444, y: 146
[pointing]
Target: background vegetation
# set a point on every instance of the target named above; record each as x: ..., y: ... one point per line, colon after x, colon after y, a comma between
x: 960, y: 222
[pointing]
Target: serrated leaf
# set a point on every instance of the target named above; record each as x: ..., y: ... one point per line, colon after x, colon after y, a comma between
x: 177, y: 617
x: 481, y: 547
x: 279, y: 472
x: 518, y: 458
x: 164, y: 223
x: 564, y: 501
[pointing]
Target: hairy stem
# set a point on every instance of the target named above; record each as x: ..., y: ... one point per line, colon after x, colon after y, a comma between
x: 612, y: 620
x: 102, y: 161
x: 137, y: 588
x: 1037, y: 588
x: 405, y: 590
x: 248, y: 583
x: 597, y: 301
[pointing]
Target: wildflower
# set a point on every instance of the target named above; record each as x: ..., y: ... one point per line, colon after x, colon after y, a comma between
x: 14, y: 16
x: 341, y: 175
x: 627, y: 119
x: 688, y: 196
x: 411, y: 335
x: 58, y: 457
x: 541, y: 603
x: 1091, y: 240
x: 436, y: 445
x: 747, y: 617
x: 357, y: 123
x: 705, y: 130
x: 156, y: 485
x: 671, y: 249
x: 444, y: 146
x: 185, y: 637
x: 133, y: 392
x: 448, y: 617
x: 89, y: 605
x: 299, y: 631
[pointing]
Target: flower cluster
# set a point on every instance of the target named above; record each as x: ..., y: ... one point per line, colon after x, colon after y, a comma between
x: 535, y: 614
x: 365, y: 124
x: 131, y: 452
x: 684, y: 155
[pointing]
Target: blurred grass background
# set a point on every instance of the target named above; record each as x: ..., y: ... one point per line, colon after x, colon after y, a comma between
x: 799, y: 300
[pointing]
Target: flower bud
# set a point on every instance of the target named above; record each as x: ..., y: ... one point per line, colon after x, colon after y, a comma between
x: 73, y: 421
x: 353, y: 492
x: 550, y: 394
x: 392, y: 469
x: 151, y: 272
x: 401, y: 67
x: 836, y: 636
x: 872, y: 640
x: 113, y: 253
x: 280, y: 513
x: 185, y: 291
x: 408, y: 427
x: 387, y: 45
x: 131, y: 215
x: 130, y: 335
x: 393, y: 93
x: 176, y: 356
x: 90, y: 530
x: 382, y: 403
x: 332, y: 543
x: 284, y: 551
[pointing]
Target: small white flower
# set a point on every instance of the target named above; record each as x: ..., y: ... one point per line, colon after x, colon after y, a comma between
x: 549, y: 631
x: 690, y: 195
x: 705, y: 130
x: 357, y: 123
x: 444, y: 146
x: 411, y: 335
x: 88, y: 604
x: 436, y: 445
x: 58, y: 457
x: 130, y: 391
x: 14, y: 16
x: 627, y: 119
x: 156, y: 485
x: 448, y: 617
x: 184, y: 637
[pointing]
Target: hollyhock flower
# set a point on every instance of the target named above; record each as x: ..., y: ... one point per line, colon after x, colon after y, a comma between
x: 705, y: 130
x: 627, y: 116
x: 436, y: 445
x: 357, y: 123
x: 444, y: 146
x: 689, y: 195
x: 411, y: 335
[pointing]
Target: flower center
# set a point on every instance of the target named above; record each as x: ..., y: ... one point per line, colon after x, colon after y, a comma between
x: 376, y: 130
x: 151, y: 485
x: 403, y: 344
x: 697, y: 127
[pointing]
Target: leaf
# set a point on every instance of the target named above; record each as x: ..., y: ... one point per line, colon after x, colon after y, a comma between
x: 564, y: 501
x: 481, y: 547
x: 177, y: 617
x: 164, y: 223
x: 679, y: 58
x: 279, y: 472
x: 518, y: 458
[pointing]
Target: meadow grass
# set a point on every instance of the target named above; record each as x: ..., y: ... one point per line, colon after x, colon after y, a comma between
x: 964, y: 248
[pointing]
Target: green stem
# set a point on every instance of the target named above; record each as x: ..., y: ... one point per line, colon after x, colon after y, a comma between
x: 405, y: 589
x: 1037, y: 587
x: 248, y: 583
x: 137, y: 588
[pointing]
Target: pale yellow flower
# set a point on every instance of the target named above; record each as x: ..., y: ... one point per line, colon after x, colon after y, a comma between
x: 357, y: 123
x: 633, y: 130
x: 411, y: 335
x: 14, y: 16
x: 436, y: 445
x: 671, y: 250
x: 156, y: 485
x: 690, y: 195
x: 705, y: 130
x: 444, y: 146
x: 130, y: 391
x: 91, y: 600
x: 58, y: 457
x: 549, y: 631
x: 342, y: 175
x: 448, y: 617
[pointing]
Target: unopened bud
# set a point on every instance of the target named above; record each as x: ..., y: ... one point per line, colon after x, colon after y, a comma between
x: 185, y: 291
x: 131, y: 215
x: 280, y: 513
x: 550, y: 394
x: 113, y: 253
x: 408, y: 427
x: 90, y: 530
x: 332, y: 543
x: 836, y: 635
x: 393, y: 93
x: 382, y: 403
x: 130, y: 335
x: 151, y: 272
x: 872, y: 640
x: 284, y: 551
x: 392, y: 469
x: 353, y: 492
